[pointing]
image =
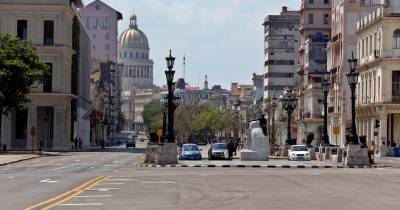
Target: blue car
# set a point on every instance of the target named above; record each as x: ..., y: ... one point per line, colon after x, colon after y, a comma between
x: 190, y: 152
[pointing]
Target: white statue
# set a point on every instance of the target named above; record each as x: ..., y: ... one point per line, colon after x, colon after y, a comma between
x: 256, y: 147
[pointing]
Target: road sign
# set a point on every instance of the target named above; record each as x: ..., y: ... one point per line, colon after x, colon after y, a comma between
x: 159, y: 133
x: 33, y: 131
x: 336, y: 130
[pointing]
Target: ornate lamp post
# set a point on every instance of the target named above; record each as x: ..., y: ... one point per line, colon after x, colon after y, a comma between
x: 289, y: 103
x: 352, y: 78
x: 325, y: 89
x: 171, y: 99
x: 271, y: 105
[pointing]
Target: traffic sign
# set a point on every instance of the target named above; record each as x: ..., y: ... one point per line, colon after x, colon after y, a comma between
x: 33, y: 131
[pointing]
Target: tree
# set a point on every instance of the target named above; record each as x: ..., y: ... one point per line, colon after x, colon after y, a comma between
x: 20, y: 68
x: 153, y: 114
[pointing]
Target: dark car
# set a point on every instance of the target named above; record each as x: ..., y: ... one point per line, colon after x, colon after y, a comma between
x: 190, y: 152
x: 130, y: 143
x: 218, y: 151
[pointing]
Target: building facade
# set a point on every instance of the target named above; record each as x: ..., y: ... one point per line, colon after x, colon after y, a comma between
x: 137, y: 75
x: 345, y: 14
x: 314, y: 36
x: 55, y: 27
x: 281, y: 35
x: 378, y: 89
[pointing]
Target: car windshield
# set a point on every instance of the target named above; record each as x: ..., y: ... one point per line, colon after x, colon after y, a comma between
x: 190, y: 147
x: 219, y: 146
x: 299, y: 148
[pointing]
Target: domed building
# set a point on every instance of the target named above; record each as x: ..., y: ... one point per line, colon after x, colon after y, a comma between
x: 133, y: 53
x: 137, y: 75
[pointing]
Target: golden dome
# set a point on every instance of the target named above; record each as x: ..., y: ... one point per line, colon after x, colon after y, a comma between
x: 133, y: 37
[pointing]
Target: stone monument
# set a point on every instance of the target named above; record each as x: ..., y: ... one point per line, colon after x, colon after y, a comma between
x: 256, y: 147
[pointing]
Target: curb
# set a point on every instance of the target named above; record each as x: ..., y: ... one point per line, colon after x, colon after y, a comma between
x: 3, y: 164
x: 251, y: 166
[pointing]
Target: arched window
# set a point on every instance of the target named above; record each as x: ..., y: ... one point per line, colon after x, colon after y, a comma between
x: 396, y: 39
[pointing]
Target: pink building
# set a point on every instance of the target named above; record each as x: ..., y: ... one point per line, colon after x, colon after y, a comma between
x: 101, y: 22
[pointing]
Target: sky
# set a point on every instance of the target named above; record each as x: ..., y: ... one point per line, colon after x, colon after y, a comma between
x: 222, y: 39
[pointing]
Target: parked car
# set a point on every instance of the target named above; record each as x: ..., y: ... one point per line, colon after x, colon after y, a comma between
x: 218, y: 151
x: 299, y: 152
x: 130, y: 143
x: 190, y: 152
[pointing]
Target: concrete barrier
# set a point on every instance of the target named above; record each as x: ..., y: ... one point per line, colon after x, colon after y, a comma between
x: 162, y: 154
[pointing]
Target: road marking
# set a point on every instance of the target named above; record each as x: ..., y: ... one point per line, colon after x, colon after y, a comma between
x: 67, y: 166
x: 81, y: 204
x: 48, y: 181
x: 92, y: 196
x: 119, y: 179
x: 157, y: 182
x: 69, y: 194
x: 10, y: 177
x: 111, y: 183
x: 103, y: 189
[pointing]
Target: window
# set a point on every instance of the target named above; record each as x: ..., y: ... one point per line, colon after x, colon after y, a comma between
x: 311, y: 1
x: 22, y: 29
x: 310, y: 18
x: 124, y: 54
x: 326, y: 1
x: 279, y: 62
x: 94, y: 36
x: 94, y: 47
x: 396, y: 39
x: 97, y: 6
x: 21, y: 122
x: 48, y: 32
x: 137, y: 55
x: 326, y: 18
x: 131, y: 54
x: 107, y: 47
x: 142, y: 55
x: 396, y: 86
x: 107, y: 36
x: 48, y: 79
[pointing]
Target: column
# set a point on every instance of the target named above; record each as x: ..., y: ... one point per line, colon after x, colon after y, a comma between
x: 62, y: 126
x: 382, y: 135
x: 32, y: 122
x: 6, y: 129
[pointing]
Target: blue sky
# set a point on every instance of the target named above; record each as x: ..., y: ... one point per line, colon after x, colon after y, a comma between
x: 221, y: 38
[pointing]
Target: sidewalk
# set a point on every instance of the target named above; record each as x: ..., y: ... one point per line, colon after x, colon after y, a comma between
x: 393, y: 162
x: 13, y: 158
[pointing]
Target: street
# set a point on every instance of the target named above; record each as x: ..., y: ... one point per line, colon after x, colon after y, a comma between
x: 111, y: 180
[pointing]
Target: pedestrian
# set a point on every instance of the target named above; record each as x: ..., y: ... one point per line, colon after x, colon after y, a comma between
x: 40, y: 146
x: 80, y: 143
x: 230, y: 149
x: 76, y: 143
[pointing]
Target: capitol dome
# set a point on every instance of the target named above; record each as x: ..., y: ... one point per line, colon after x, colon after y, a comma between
x: 133, y: 37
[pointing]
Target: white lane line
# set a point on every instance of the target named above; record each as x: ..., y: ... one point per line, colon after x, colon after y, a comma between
x: 103, y: 189
x: 111, y: 183
x: 80, y: 204
x: 92, y: 196
x: 157, y: 182
x: 119, y: 179
x: 48, y: 181
x: 10, y: 177
x: 56, y: 169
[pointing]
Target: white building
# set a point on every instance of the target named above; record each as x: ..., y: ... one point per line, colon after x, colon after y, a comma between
x: 281, y: 33
x: 378, y: 89
x: 54, y: 26
x: 137, y: 75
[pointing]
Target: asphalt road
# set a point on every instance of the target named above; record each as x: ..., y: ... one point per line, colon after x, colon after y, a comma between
x: 110, y: 180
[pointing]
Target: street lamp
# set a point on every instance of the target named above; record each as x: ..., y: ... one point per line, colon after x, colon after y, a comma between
x: 325, y: 89
x: 289, y: 103
x: 271, y: 105
x: 352, y: 78
x: 172, y: 101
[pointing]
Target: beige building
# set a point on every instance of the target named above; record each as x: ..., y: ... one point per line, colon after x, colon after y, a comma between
x: 314, y: 35
x: 378, y: 89
x: 57, y: 105
x: 345, y: 14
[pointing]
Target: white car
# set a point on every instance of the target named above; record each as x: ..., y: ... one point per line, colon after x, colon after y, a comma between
x: 299, y: 152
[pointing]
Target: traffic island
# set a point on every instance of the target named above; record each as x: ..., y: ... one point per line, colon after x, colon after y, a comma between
x: 356, y: 155
x: 162, y: 154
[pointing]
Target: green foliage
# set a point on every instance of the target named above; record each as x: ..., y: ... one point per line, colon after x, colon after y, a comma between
x: 20, y: 67
x: 152, y: 114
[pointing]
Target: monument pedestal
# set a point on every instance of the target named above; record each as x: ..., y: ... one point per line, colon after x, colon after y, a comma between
x: 383, y: 150
x: 162, y: 154
x: 356, y: 156
x: 256, y: 146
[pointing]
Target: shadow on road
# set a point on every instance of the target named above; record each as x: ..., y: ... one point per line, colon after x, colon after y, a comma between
x: 117, y: 149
